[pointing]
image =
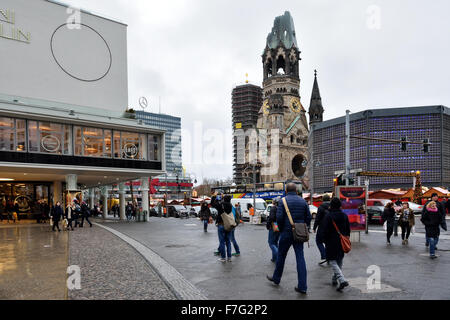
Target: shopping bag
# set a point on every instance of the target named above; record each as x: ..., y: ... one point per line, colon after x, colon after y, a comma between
x: 385, y: 226
x: 51, y: 222
x: 210, y: 221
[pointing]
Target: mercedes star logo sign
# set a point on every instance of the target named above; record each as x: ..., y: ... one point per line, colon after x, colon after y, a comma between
x: 143, y: 102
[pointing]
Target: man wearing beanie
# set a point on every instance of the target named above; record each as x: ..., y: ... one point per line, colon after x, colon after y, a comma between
x: 329, y: 234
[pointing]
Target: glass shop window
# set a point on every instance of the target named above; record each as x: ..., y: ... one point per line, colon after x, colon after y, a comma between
x: 7, y: 126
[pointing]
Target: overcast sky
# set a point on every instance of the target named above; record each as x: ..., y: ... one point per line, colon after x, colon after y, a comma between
x: 369, y: 54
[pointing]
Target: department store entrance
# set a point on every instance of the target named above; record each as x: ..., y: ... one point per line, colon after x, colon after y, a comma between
x: 25, y: 198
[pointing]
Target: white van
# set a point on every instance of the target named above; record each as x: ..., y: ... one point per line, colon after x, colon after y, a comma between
x: 260, y: 206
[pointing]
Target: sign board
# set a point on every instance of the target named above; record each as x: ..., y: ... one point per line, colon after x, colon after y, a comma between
x: 50, y: 52
x: 352, y: 198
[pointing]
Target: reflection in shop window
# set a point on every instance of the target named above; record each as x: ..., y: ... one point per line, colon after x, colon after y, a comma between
x: 154, y: 153
x: 6, y: 134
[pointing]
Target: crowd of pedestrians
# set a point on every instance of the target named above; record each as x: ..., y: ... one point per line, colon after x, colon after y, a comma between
x: 289, y: 222
x: 71, y: 216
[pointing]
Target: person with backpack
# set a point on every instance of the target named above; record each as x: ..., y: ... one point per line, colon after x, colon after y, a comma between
x: 76, y: 212
x: 237, y: 219
x: 274, y: 231
x: 293, y: 220
x: 406, y: 221
x: 321, y: 213
x: 224, y: 235
x: 335, y: 224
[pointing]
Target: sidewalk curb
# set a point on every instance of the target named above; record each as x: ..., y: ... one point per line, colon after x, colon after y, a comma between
x: 180, y: 286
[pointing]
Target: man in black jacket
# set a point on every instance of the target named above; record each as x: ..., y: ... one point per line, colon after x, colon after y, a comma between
x: 321, y: 213
x: 85, y: 214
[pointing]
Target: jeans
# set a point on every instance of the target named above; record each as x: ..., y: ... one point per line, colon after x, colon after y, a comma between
x: 224, y: 240
x: 436, y: 240
x: 406, y: 229
x: 233, y: 241
x: 390, y: 230
x: 433, y: 242
x: 274, y: 237
x: 321, y: 247
x: 338, y: 276
x: 286, y: 241
x: 205, y: 225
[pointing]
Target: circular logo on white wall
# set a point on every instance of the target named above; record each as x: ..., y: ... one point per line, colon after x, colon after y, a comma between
x: 81, y: 53
x: 50, y: 143
x: 130, y: 150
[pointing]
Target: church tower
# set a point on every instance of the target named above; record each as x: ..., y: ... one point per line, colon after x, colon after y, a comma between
x: 282, y: 110
x: 315, y: 106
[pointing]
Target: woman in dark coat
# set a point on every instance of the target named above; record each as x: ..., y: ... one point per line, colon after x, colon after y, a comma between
x: 57, y: 213
x: 327, y: 232
x: 205, y: 214
x: 389, y: 217
x: 432, y: 219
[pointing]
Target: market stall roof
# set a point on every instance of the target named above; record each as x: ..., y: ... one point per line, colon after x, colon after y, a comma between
x: 387, y: 194
x: 440, y: 191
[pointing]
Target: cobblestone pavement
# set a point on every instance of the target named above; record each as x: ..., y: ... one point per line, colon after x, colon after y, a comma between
x: 406, y: 271
x: 111, y: 269
x: 33, y: 263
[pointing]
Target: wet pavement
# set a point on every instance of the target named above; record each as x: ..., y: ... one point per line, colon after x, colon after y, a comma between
x: 33, y: 262
x: 407, y: 272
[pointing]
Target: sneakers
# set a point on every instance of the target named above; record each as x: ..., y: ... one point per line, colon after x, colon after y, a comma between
x: 433, y: 257
x: 222, y: 260
x: 403, y: 242
x: 322, y: 261
x: 229, y: 260
x: 342, y: 286
x: 271, y: 280
x: 406, y: 241
x: 236, y: 254
x: 300, y: 291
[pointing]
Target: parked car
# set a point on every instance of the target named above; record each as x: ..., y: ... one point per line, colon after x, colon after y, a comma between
x: 260, y: 207
x: 416, y: 208
x: 177, y: 211
x: 194, y: 211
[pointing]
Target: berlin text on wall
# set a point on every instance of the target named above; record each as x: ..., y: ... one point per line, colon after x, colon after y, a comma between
x: 8, y: 28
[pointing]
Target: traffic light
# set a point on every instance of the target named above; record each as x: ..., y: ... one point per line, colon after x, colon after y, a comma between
x: 426, y: 147
x: 340, y: 180
x: 404, y: 144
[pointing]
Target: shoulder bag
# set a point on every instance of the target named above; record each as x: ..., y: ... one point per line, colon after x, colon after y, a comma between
x: 345, y: 241
x: 299, y: 230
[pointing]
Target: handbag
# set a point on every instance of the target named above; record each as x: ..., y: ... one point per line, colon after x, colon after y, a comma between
x: 228, y: 221
x: 345, y: 241
x: 299, y: 230
x: 210, y: 220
